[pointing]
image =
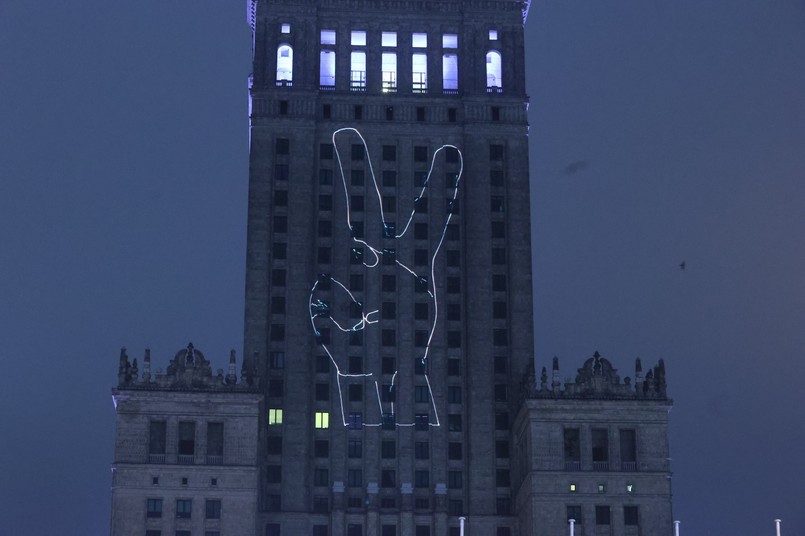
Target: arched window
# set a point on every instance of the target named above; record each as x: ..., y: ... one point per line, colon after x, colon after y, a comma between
x: 284, y: 65
x: 327, y: 68
x: 450, y: 72
x: 494, y: 76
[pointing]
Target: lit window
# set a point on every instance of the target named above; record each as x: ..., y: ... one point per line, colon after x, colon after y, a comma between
x: 493, y: 35
x: 358, y: 38
x: 327, y: 68
x: 322, y: 419
x: 449, y: 41
x: 629, y: 488
x: 450, y: 71
x: 284, y: 64
x: 572, y: 488
x: 602, y: 488
x: 286, y: 28
x: 419, y: 40
x: 274, y: 416
x: 419, y: 63
x: 328, y: 37
x: 494, y: 76
x: 389, y: 71
x: 389, y: 39
x: 358, y: 70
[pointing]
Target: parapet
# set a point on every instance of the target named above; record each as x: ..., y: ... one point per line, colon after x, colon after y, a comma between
x: 597, y: 379
x: 188, y: 370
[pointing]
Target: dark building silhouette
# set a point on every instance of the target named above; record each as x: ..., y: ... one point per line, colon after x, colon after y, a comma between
x: 388, y: 323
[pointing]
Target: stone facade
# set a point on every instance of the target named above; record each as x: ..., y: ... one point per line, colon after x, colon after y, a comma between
x: 185, y: 450
x: 594, y: 450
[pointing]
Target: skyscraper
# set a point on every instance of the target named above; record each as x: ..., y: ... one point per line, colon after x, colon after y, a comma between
x: 388, y: 293
x: 388, y: 385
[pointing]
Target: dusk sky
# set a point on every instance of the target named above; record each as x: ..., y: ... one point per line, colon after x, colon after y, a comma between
x: 661, y: 132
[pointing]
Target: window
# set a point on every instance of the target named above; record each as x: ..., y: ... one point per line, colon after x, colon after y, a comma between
x: 628, y: 450
x: 502, y: 420
x: 356, y: 256
x: 321, y: 505
x: 494, y: 78
x: 327, y: 37
x: 453, y: 367
x: 354, y: 502
x: 215, y: 442
x: 419, y: 66
x: 276, y: 360
x: 454, y: 451
x: 212, y: 509
x: 501, y: 392
x: 421, y: 421
x: 277, y: 332
x: 421, y: 231
x: 389, y: 153
x: 422, y: 530
x: 280, y: 250
x: 358, y: 38
x: 500, y: 337
x: 454, y: 311
x: 153, y: 508
x: 389, y: 205
x: 355, y: 364
x: 496, y: 152
x: 182, y: 533
x: 496, y: 177
x: 321, y: 448
x: 420, y: 338
x: 325, y: 202
x: 355, y: 420
x: 284, y: 65
x: 388, y: 449
x: 389, y: 178
x: 153, y: 533
x: 285, y: 28
x: 449, y: 41
x: 630, y: 516
x: 454, y: 394
x: 278, y: 306
x: 389, y: 71
x: 421, y: 393
x: 602, y: 515
x: 495, y: 113
x: 326, y: 111
x: 284, y: 108
x: 187, y: 438
x: 421, y: 450
x: 574, y: 512
x: 502, y: 479
x: 501, y: 448
x: 503, y: 531
x: 388, y: 530
x: 455, y: 507
x: 322, y: 419
x: 321, y: 530
x: 322, y: 392
x: 321, y: 477
x: 274, y: 503
x: 274, y: 416
x: 282, y: 146
x: 388, y: 365
x: 454, y: 422
x: 421, y: 478
x: 354, y: 478
x: 572, y: 488
x: 388, y: 337
x: 450, y: 72
x: 600, y: 449
x: 281, y: 172
x: 280, y: 224
x: 419, y: 40
x: 355, y: 448
x: 273, y: 529
x: 357, y: 79
x: 499, y: 283
x: 388, y: 478
x: 388, y: 502
x: 184, y: 508
x: 420, y: 113
x: 455, y: 479
x: 502, y: 506
x: 327, y: 68
x: 493, y: 35
x: 157, y: 438
x: 453, y: 339
x: 388, y: 39
x: 452, y: 115
x: 274, y: 445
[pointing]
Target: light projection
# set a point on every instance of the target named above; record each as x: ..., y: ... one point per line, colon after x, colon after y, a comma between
x: 324, y: 316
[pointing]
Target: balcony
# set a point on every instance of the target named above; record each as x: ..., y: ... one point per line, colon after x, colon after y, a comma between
x: 357, y: 81
x: 156, y: 458
x: 629, y: 466
x: 494, y: 89
x: 284, y: 83
x: 573, y: 466
x: 601, y: 466
x: 185, y: 459
x: 215, y: 459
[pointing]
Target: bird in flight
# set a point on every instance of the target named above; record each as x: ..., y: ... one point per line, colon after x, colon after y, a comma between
x: 682, y: 265
x: 574, y: 167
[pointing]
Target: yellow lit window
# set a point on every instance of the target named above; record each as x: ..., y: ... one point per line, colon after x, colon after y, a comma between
x: 274, y: 416
x: 322, y: 419
x: 572, y: 488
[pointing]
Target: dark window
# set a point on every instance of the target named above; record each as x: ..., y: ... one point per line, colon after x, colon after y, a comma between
x: 389, y: 283
x: 420, y: 366
x: 388, y: 310
x: 455, y: 479
x: 500, y: 337
x: 182, y: 533
x: 421, y: 478
x: 454, y: 339
x: 389, y: 203
x: 273, y: 474
x: 184, y: 508
x: 388, y: 337
x: 498, y: 256
x: 453, y: 258
x: 574, y: 512
x: 390, y: 153
x: 389, y: 178
x: 502, y: 479
x: 282, y: 146
x: 322, y: 392
x: 454, y: 311
x: 355, y: 420
x: 277, y: 332
x: 358, y: 111
x: 280, y: 224
x: 453, y: 367
x: 357, y: 229
x: 421, y: 231
x: 321, y: 477
x: 421, y: 421
x: 452, y: 115
x: 602, y: 515
x: 503, y: 506
x: 454, y: 451
x: 283, y: 107
x: 354, y: 529
x: 628, y: 448
x: 356, y: 282
x: 356, y: 393
x: 420, y: 113
x: 496, y: 204
x: 498, y: 229
x: 212, y: 509
x: 322, y: 363
x: 453, y: 285
x: 503, y: 531
x: 496, y: 153
x: 321, y: 530
x: 325, y: 228
x: 496, y: 177
x: 422, y: 530
x: 421, y: 450
x: 600, y: 443
x: 454, y: 394
x: 151, y: 532
x: 421, y: 204
x: 388, y: 502
x: 501, y: 448
x: 421, y: 393
x: 630, y: 516
x: 501, y: 392
x: 321, y: 505
x: 500, y: 364
x: 274, y: 445
x: 357, y: 152
x: 420, y: 178
x: 495, y: 113
x: 420, y: 338
x: 321, y: 448
x: 502, y: 420
x: 355, y: 364
x: 357, y: 178
x: 276, y: 360
x: 499, y: 283
x: 325, y: 176
x: 157, y: 437
x: 388, y: 449
x: 187, y: 438
x: 356, y: 203
x: 281, y: 172
x: 326, y: 113
x: 326, y: 151
x: 452, y: 232
x: 277, y: 305
x: 325, y: 202
x: 451, y: 155
x: 153, y: 508
x: 280, y: 250
x: 388, y: 530
x: 354, y: 478
x: 420, y: 153
x: 356, y: 256
x: 389, y: 113
x: 455, y: 507
x: 388, y: 478
x: 454, y: 423
x: 273, y: 502
x: 215, y: 439
x: 421, y: 256
x: 387, y: 365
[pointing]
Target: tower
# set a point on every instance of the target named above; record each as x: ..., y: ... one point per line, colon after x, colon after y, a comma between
x: 388, y: 288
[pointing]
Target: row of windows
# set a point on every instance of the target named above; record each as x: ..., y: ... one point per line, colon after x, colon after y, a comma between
x: 156, y: 532
x: 184, y: 508
x: 599, y: 449
x: 282, y: 146
x: 388, y: 364
x: 603, y: 515
x: 186, y: 442
x: 600, y: 488
x: 356, y: 529
x: 421, y: 420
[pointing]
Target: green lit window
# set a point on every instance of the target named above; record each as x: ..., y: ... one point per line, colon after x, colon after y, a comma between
x: 274, y: 416
x: 322, y: 419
